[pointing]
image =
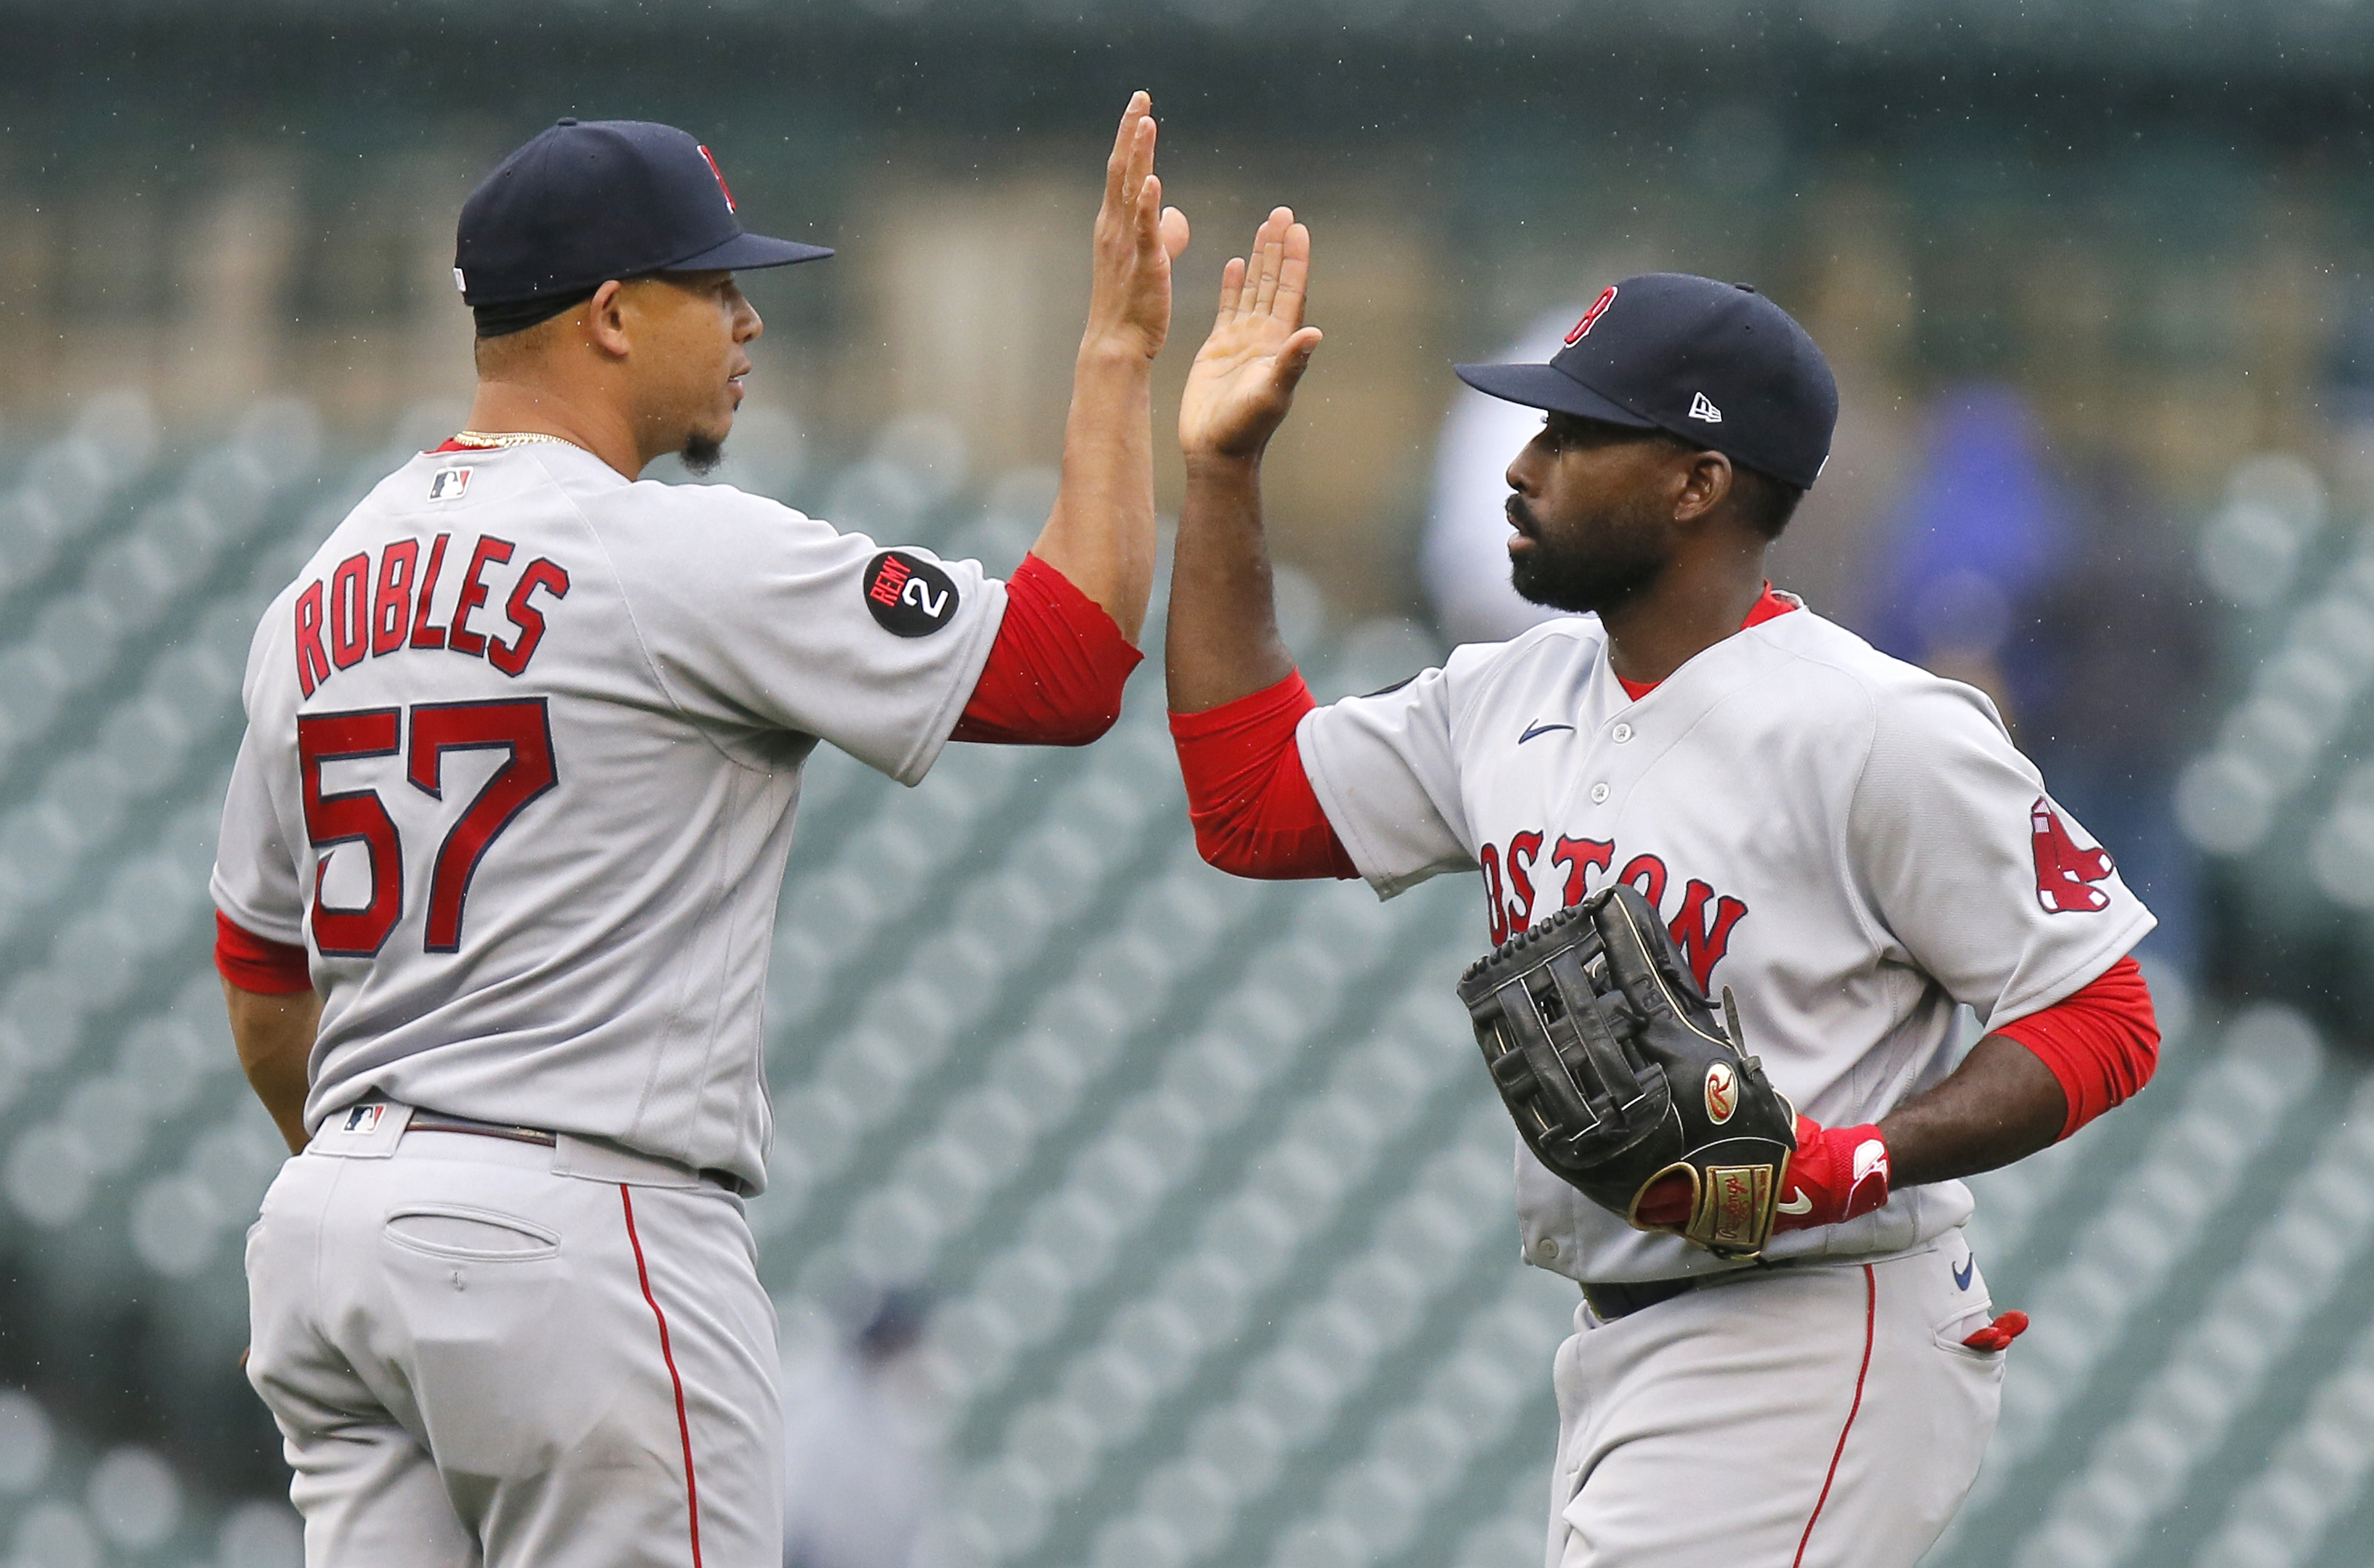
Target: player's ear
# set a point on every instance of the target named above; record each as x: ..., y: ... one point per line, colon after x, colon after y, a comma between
x: 607, y: 326
x: 1705, y: 482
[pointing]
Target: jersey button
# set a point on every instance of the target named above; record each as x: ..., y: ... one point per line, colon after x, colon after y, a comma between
x: 1599, y: 794
x: 1548, y: 1251
x: 1622, y: 732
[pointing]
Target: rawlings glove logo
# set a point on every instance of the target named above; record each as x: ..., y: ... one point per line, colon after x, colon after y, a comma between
x: 1721, y: 1092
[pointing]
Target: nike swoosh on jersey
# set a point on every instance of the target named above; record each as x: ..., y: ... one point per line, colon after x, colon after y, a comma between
x: 1962, y: 1275
x: 1801, y: 1204
x: 1541, y: 729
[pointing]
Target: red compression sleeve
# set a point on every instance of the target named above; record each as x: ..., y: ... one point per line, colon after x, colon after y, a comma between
x: 2102, y: 1042
x: 1254, y: 811
x: 1055, y: 672
x: 258, y: 964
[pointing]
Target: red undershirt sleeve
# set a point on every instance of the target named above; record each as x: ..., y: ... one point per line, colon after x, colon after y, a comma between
x: 1254, y: 810
x: 258, y: 964
x: 1055, y: 670
x: 2102, y: 1042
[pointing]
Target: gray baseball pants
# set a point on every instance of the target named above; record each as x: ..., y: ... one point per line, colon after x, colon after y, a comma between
x: 478, y: 1362
x: 1811, y: 1416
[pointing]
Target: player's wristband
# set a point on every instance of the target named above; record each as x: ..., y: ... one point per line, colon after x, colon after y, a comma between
x: 1837, y: 1174
x: 258, y: 964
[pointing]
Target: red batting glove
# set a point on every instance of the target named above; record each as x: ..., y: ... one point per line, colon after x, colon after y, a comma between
x: 1999, y: 1334
x: 1837, y: 1174
x: 1667, y: 1203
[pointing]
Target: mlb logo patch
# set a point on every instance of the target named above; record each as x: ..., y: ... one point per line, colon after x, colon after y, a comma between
x: 449, y: 484
x: 363, y: 1120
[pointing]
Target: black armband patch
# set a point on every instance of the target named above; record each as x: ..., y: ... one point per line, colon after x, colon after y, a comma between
x: 909, y: 595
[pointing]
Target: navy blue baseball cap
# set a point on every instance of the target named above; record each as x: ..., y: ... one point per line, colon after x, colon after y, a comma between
x: 1716, y: 364
x: 588, y: 201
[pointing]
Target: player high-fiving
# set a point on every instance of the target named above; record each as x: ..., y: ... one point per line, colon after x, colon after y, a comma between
x: 1785, y: 1352
x: 1244, y: 376
x: 1237, y: 393
x: 499, y: 861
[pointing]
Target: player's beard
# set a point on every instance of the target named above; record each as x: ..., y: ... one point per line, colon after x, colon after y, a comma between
x: 1592, y: 565
x: 702, y: 453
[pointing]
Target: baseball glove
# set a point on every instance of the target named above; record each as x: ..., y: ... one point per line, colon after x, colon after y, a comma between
x: 1619, y: 1072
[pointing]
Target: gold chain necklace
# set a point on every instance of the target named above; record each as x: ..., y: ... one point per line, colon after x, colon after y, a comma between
x: 491, y: 439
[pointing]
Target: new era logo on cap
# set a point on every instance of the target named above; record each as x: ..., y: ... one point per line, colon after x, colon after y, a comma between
x: 1701, y: 409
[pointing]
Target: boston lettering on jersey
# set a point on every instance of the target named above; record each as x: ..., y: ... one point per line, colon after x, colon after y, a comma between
x: 1702, y: 922
x: 358, y: 611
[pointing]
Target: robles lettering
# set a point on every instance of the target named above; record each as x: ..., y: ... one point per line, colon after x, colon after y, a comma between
x: 358, y: 611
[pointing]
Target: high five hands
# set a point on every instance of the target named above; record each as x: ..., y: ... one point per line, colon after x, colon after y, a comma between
x: 1243, y: 379
x: 1136, y: 238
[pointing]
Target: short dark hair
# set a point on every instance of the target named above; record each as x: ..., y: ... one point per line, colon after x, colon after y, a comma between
x: 1767, y: 503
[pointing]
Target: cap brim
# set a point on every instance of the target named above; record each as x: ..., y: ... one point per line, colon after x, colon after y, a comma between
x: 746, y: 252
x: 1548, y: 387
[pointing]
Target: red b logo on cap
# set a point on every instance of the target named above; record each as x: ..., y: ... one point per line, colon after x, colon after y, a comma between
x: 711, y: 158
x: 1591, y: 317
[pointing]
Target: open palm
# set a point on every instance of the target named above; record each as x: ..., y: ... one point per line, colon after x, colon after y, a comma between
x: 1244, y: 376
x: 1136, y: 240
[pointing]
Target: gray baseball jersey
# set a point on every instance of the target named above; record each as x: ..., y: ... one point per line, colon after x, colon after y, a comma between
x: 524, y: 743
x: 1851, y: 843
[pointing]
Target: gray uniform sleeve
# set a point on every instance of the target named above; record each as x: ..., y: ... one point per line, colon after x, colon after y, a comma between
x: 1975, y: 876
x: 753, y: 613
x: 255, y: 882
x: 1386, y: 774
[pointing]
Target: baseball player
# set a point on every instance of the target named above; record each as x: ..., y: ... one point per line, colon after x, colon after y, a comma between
x: 498, y: 868
x: 1849, y: 844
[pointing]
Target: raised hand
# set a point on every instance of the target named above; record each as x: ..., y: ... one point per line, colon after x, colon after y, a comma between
x: 1243, y: 379
x: 1136, y: 235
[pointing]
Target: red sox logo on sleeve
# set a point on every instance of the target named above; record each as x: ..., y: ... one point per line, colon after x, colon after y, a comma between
x: 2066, y: 874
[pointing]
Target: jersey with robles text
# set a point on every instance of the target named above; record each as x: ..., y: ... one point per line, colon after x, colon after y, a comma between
x: 524, y: 739
x: 1852, y: 844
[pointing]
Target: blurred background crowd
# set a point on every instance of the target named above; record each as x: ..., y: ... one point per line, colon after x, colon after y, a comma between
x: 1132, y: 1215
